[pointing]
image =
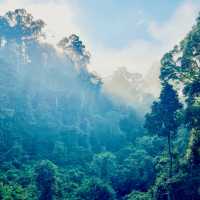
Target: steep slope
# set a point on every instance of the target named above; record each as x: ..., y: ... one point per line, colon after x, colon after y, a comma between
x: 49, y: 93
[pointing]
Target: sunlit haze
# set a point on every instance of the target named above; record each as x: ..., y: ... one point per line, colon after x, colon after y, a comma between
x: 128, y: 33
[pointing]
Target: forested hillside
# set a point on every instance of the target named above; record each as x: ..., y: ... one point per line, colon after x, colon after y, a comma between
x: 130, y: 89
x: 62, y: 136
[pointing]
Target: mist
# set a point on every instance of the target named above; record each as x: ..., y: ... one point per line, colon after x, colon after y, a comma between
x: 52, y: 89
x: 68, y: 133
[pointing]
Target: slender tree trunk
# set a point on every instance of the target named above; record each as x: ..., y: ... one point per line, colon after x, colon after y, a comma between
x: 170, y: 165
x: 170, y: 155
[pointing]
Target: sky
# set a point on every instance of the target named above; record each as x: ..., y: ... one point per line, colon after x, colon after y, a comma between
x: 129, y: 33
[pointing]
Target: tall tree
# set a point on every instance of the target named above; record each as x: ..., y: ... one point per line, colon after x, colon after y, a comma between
x: 20, y: 25
x: 162, y: 120
x: 182, y: 66
x: 75, y: 49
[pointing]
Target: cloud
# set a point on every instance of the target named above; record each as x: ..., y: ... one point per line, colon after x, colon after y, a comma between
x: 175, y: 29
x: 139, y: 55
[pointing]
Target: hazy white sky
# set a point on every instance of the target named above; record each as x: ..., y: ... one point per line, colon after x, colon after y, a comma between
x: 131, y: 33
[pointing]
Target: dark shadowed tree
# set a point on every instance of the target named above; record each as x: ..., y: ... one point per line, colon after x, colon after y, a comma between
x: 163, y: 119
x: 95, y: 189
x: 46, y: 180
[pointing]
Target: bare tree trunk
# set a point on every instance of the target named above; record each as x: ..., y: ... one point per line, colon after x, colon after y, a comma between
x: 170, y: 166
x: 170, y: 155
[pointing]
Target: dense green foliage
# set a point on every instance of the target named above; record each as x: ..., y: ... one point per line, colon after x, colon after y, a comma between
x: 180, y: 69
x: 62, y: 137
